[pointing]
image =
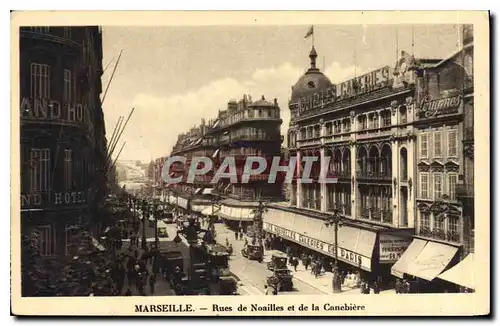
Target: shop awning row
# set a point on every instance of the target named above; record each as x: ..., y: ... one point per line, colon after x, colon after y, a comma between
x: 208, y: 211
x: 198, y: 208
x: 424, y: 259
x: 462, y: 273
x: 355, y: 245
x: 236, y: 213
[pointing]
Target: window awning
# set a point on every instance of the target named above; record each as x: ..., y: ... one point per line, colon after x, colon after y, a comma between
x: 424, y: 259
x: 197, y: 191
x: 207, y: 191
x: 216, y: 124
x: 208, y: 211
x: 215, y: 153
x: 236, y: 213
x: 355, y: 245
x: 462, y: 273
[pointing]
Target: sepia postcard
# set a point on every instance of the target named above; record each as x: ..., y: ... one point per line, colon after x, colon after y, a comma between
x: 250, y: 163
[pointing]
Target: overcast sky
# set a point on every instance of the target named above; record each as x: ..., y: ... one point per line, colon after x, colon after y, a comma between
x: 175, y: 76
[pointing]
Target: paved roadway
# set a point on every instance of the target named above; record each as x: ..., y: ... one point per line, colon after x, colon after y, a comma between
x: 162, y: 287
x: 251, y: 272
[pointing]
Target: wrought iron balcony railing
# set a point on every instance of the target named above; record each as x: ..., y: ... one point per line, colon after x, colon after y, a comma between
x: 366, y: 175
x: 439, y: 234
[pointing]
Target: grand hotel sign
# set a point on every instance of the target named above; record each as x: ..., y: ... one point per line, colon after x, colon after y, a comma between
x: 364, y: 84
x: 54, y: 199
x: 53, y: 111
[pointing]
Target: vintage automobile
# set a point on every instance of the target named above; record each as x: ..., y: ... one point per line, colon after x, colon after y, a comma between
x: 281, y: 279
x: 253, y: 252
x: 278, y: 261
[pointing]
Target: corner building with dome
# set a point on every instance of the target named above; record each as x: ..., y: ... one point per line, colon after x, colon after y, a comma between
x: 366, y: 126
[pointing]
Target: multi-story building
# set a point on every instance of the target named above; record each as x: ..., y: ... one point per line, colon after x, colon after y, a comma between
x: 244, y: 129
x: 445, y: 164
x: 63, y: 146
x: 365, y: 127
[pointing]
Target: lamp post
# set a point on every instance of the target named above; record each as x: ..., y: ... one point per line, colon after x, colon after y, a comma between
x: 336, y: 220
x: 144, y: 216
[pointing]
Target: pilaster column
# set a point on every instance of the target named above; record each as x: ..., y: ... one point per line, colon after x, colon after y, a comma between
x: 354, y: 187
x: 412, y: 177
x: 299, y: 185
x: 323, y: 188
x: 395, y: 185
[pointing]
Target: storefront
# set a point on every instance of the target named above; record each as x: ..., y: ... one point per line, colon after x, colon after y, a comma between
x: 462, y: 274
x: 356, y: 246
x: 235, y: 215
x: 423, y: 262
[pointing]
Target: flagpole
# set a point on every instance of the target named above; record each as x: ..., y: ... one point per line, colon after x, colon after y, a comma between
x: 312, y: 35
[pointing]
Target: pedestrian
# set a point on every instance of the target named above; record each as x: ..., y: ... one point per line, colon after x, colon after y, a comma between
x: 397, y: 286
x: 295, y: 263
x: 152, y: 284
x: 275, y: 291
x: 376, y: 288
x: 307, y: 262
x: 241, y: 234
x: 236, y: 235
x: 266, y: 289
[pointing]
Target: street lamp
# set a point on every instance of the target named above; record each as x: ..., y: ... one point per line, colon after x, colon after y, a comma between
x: 336, y: 220
x: 145, y: 210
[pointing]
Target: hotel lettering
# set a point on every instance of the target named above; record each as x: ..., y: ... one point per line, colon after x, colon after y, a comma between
x: 46, y: 109
x: 41, y: 200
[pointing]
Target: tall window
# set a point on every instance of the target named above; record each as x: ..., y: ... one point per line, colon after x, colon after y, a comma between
x: 386, y: 118
x: 453, y: 223
x: 68, y: 168
x: 72, y: 235
x: 424, y: 185
x: 45, y: 240
x: 452, y: 143
x: 438, y: 223
x: 329, y: 129
x: 67, y: 86
x: 438, y: 151
x: 452, y: 185
x: 40, y: 169
x: 40, y: 29
x: 40, y: 80
x: 67, y: 32
x: 438, y: 186
x: 425, y: 220
x: 424, y: 148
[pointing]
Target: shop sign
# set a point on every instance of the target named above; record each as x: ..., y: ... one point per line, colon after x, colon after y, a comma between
x: 392, y: 247
x: 318, y: 245
x: 52, y: 110
x: 366, y: 83
x: 439, y: 107
x: 53, y: 199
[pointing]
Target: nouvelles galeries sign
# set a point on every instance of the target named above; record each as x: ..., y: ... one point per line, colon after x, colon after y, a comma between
x: 345, y: 255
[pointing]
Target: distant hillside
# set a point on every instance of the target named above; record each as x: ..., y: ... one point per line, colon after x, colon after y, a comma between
x: 131, y: 171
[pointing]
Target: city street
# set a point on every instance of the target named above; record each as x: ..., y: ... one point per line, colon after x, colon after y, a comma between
x: 162, y: 287
x: 252, y: 274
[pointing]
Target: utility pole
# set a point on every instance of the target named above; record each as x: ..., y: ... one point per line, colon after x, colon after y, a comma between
x: 336, y: 220
x: 144, y: 216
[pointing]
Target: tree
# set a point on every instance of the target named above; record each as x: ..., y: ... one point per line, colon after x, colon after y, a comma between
x: 84, y: 271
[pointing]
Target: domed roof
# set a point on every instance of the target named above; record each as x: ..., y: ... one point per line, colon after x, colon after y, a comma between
x: 262, y: 102
x: 312, y: 81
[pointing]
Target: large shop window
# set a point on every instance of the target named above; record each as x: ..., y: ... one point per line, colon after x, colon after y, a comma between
x: 40, y: 81
x: 40, y: 170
